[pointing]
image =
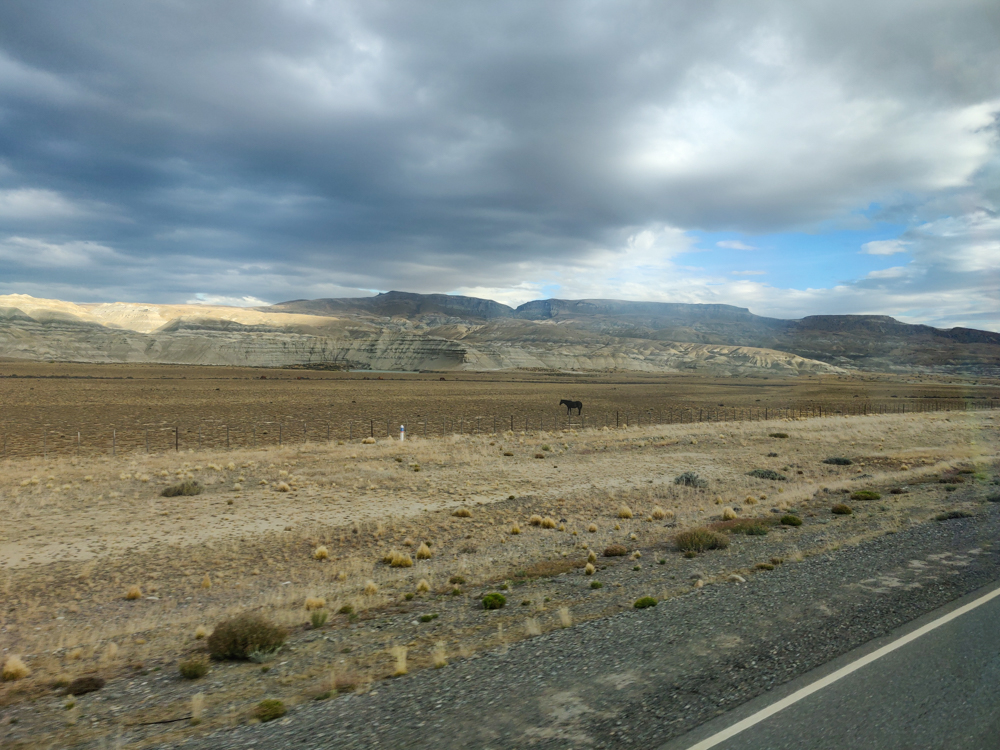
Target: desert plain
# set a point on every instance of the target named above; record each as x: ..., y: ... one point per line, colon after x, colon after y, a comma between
x: 102, y: 575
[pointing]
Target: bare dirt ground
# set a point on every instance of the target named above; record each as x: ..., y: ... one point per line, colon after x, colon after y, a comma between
x: 77, y: 532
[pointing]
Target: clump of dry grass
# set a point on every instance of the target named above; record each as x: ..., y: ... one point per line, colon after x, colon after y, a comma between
x: 315, y: 602
x: 194, y: 668
x: 751, y: 500
x: 728, y: 514
x: 424, y: 552
x: 133, y: 593
x: 371, y: 588
x: 615, y: 550
x: 535, y: 520
x: 197, y: 707
x: 565, y: 618
x: 462, y: 513
x: 396, y: 559
x: 399, y: 652
x: 515, y: 529
x: 591, y: 556
x: 321, y: 553
x: 439, y: 655
x: 658, y: 513
x: 624, y: 512
x: 531, y: 627
x: 200, y: 632
x: 206, y: 582
x: 14, y: 669
x: 282, y: 487
x: 592, y: 528
x: 548, y: 523
x: 589, y: 570
x: 423, y: 586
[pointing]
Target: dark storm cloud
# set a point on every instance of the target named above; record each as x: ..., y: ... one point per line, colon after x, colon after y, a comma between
x: 290, y: 149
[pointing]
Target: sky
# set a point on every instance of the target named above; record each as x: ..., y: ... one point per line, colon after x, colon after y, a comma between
x: 795, y: 158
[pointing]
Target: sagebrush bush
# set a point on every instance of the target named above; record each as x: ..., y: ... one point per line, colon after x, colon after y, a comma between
x: 700, y: 540
x: 791, y: 520
x: 88, y: 683
x: 949, y: 514
x: 838, y: 461
x: 767, y: 474
x: 494, y: 601
x: 841, y: 510
x: 190, y: 487
x: 645, y: 601
x: 865, y: 495
x: 243, y: 635
x: 194, y: 668
x: 691, y: 479
x: 269, y: 709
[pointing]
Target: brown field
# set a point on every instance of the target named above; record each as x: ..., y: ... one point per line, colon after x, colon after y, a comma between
x: 75, y: 409
x: 77, y: 532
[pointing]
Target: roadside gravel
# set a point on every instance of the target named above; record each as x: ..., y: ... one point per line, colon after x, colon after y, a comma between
x: 642, y: 677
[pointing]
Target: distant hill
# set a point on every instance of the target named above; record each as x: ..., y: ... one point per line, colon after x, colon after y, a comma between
x: 406, y: 331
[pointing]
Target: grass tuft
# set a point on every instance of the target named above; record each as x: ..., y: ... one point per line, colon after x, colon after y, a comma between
x: 315, y: 602
x: 462, y: 513
x: 14, y: 669
x: 589, y: 570
x: 194, y: 668
x: 133, y: 593
x: 866, y: 495
x: 624, y: 512
x: 423, y: 586
x: 658, y: 513
x: 549, y: 523
x: 424, y: 552
x: 593, y: 527
x: 615, y: 550
x: 728, y: 514
x: 791, y: 520
x: 318, y: 618
x: 841, y: 510
x: 321, y: 553
x: 269, y: 710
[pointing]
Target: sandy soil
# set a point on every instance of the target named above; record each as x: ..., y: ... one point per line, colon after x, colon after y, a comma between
x: 76, y: 533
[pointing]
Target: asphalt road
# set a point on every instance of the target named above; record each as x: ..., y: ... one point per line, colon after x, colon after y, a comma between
x: 938, y: 691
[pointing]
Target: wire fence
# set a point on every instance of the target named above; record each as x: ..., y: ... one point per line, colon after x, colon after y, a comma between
x: 113, y: 440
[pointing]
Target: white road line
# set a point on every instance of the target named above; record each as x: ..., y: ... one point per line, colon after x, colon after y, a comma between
x: 808, y: 690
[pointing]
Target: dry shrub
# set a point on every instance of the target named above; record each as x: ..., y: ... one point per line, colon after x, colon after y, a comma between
x: 658, y: 513
x: 515, y: 529
x: 88, y: 683
x: 408, y: 542
x: 624, y: 512
x: 14, y: 669
x: 589, y: 570
x: 700, y: 540
x: 424, y: 552
x: 206, y: 582
x: 371, y: 588
x: 591, y: 556
x: 397, y: 559
x: 282, y: 487
x: 315, y: 602
x: 193, y: 668
x: 462, y: 513
x: 728, y: 514
x: 243, y: 635
x: 423, y: 586
x: 565, y: 618
x: 616, y: 550
x: 134, y: 592
x: 751, y: 500
x: 592, y: 528
x: 187, y: 488
x: 535, y: 520
x: 200, y: 632
x: 840, y: 509
x: 548, y: 523
x: 321, y: 553
x: 271, y: 708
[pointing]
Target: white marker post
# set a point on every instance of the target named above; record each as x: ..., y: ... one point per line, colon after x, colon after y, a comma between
x: 402, y: 433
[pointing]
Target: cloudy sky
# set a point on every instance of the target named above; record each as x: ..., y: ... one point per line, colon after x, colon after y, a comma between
x: 794, y: 158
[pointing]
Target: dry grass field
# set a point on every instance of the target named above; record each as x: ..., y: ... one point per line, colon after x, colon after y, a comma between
x: 102, y: 575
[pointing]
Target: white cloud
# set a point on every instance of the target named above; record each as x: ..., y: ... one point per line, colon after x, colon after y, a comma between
x: 224, y: 301
x: 35, y: 204
x: 888, y: 273
x: 734, y: 245
x: 747, y: 273
x: 884, y: 247
x: 28, y: 252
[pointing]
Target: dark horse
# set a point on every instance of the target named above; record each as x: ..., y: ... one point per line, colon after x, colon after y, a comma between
x: 570, y: 405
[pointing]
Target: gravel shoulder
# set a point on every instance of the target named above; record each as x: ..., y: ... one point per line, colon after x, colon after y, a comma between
x: 641, y: 677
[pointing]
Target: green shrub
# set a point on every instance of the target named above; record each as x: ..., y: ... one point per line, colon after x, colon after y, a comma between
x: 768, y: 474
x: 865, y: 495
x: 789, y: 520
x: 190, y: 487
x: 494, y: 601
x: 690, y: 479
x: 269, y: 710
x: 764, y: 566
x: 596, y: 584
x: 318, y: 618
x: 838, y: 461
x: 645, y: 601
x: 193, y: 668
x: 457, y: 580
x: 347, y: 609
x: 700, y: 539
x: 428, y: 618
x: 546, y: 447
x: 615, y: 550
x: 781, y: 435
x: 949, y: 514
x: 245, y: 635
x: 841, y: 510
